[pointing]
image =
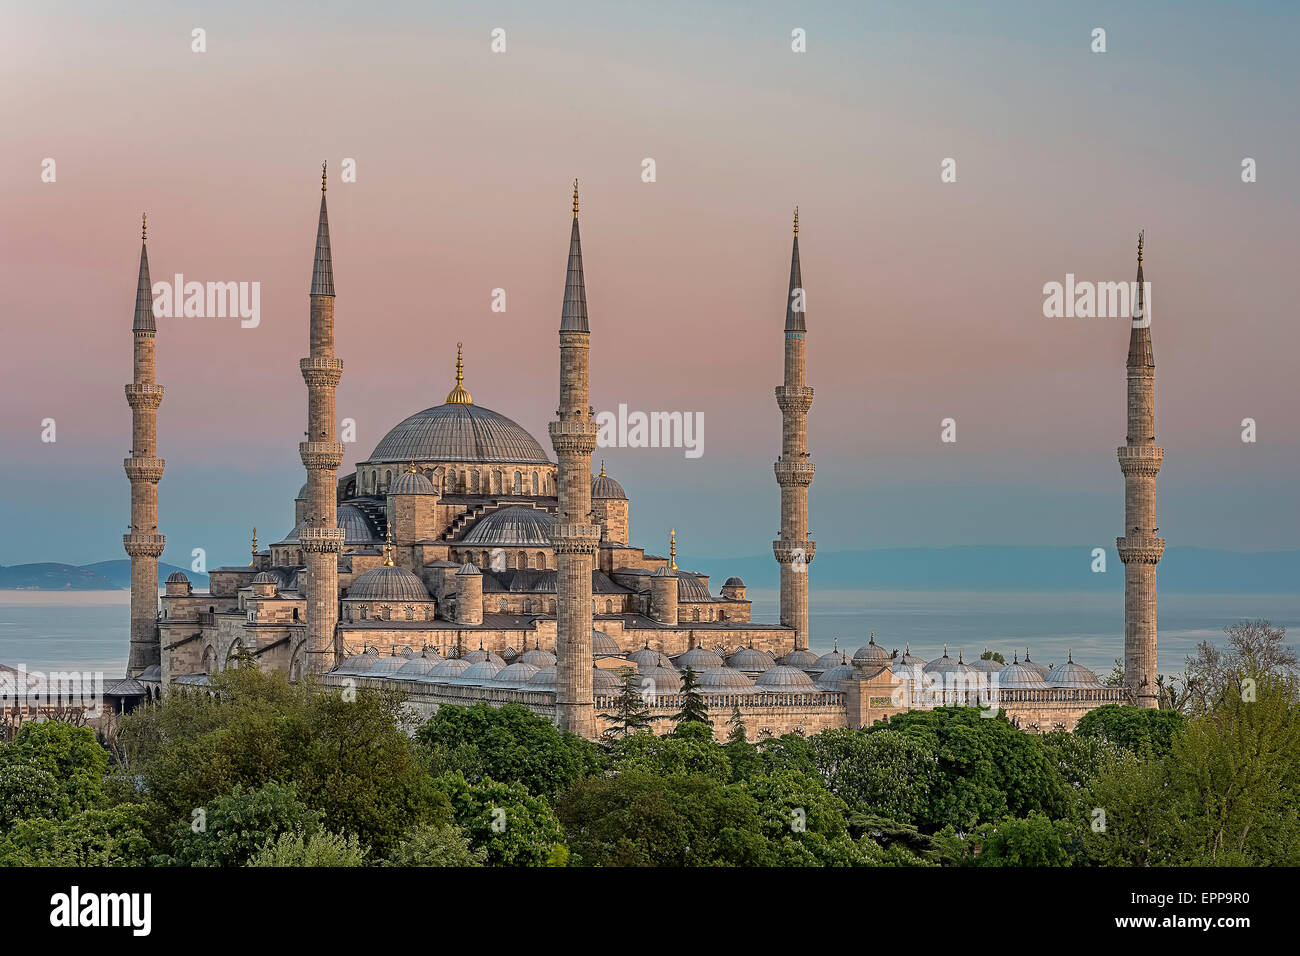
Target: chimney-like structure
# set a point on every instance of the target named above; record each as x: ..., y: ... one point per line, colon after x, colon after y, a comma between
x: 794, y: 469
x: 1140, y: 549
x: 144, y: 469
x: 321, y: 537
x: 575, y: 538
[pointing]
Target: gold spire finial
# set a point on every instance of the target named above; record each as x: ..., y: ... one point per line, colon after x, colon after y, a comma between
x: 575, y: 199
x: 672, y: 548
x: 254, y: 561
x: 412, y: 468
x: 602, y: 469
x: 796, y: 220
x: 322, y: 177
x: 144, y: 226
x: 388, y: 549
x: 458, y: 395
x: 1141, y: 236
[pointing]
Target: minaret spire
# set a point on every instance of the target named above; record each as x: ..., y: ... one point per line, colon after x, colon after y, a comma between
x: 144, y: 469
x: 321, y: 537
x: 1140, y: 549
x: 794, y: 469
x: 575, y: 538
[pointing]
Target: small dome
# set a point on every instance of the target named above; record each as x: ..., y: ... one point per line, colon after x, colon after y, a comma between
x: 357, y: 664
x: 1042, y: 670
x: 538, y: 658
x: 480, y: 655
x: 264, y: 577
x: 483, y: 670
x: 781, y: 677
x: 907, y: 657
x: 665, y: 679
x: 517, y: 673
x: 723, y: 680
x: 468, y: 569
x: 940, y: 665
x: 387, y: 665
x: 513, y: 526
x: 733, y: 582
x: 830, y: 679
x: 664, y: 572
x: 751, y: 659
x: 452, y: 667
x: 691, y: 587
x: 603, y: 486
x: 411, y: 483
x: 602, y: 645
x: 698, y: 659
x: 1016, y: 676
x: 177, y: 577
x: 646, y: 657
x: 387, y: 583
x: 545, y: 677
x: 803, y: 659
x: 604, y: 681
x: 987, y: 665
x: 1071, y: 674
x: 871, y: 654
x: 416, y: 666
x: 832, y: 659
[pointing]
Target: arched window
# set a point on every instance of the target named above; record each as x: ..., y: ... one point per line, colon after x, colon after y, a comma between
x: 552, y: 605
x: 410, y: 614
x: 534, y: 482
x: 503, y: 605
x: 519, y: 483
x: 451, y: 481
x: 496, y: 482
x: 295, y: 614
x: 474, y: 481
x: 388, y: 478
x: 541, y: 560
x: 697, y: 614
x: 609, y: 607
x: 523, y: 560
x: 365, y: 613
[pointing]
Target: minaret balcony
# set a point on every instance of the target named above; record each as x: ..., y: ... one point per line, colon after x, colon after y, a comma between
x: 321, y: 372
x: 794, y: 398
x: 798, y: 553
x: 573, y: 437
x: 1140, y: 549
x: 144, y: 469
x: 575, y: 538
x: 796, y: 472
x: 1143, y: 461
x: 322, y: 540
x: 144, y: 396
x: 139, y: 544
x: 321, y: 455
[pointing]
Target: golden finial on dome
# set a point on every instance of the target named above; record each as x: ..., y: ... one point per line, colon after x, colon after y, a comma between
x: 672, y: 548
x: 575, y: 199
x: 322, y: 177
x: 602, y: 469
x: 458, y: 395
x: 1141, y: 236
x: 254, y: 561
x: 144, y: 226
x: 388, y: 550
x: 412, y: 468
x: 796, y: 220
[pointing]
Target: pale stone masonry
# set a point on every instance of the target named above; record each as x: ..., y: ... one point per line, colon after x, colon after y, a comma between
x: 322, y: 539
x: 1140, y: 548
x: 794, y: 469
x: 574, y: 538
x: 144, y: 469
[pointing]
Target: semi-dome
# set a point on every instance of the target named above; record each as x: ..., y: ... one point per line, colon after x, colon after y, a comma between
x: 603, y: 486
x: 263, y: 577
x: 602, y: 645
x: 358, y: 531
x: 177, y: 577
x: 698, y: 659
x: 665, y: 679
x: 468, y: 569
x: 782, y: 677
x: 459, y: 432
x: 516, y: 525
x: 751, y: 659
x: 1071, y: 674
x: 723, y: 680
x: 871, y: 654
x: 519, y: 672
x: 452, y: 667
x: 387, y: 583
x: 830, y: 679
x: 1017, y: 676
x: 411, y: 483
x: 483, y: 670
x: 803, y: 659
x: 691, y: 587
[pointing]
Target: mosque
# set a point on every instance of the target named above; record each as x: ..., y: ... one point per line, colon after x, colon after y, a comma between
x: 459, y: 563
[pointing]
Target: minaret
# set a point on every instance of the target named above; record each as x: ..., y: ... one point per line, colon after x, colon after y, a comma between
x: 144, y: 469
x: 1140, y: 550
x: 794, y: 469
x: 322, y: 538
x: 575, y: 538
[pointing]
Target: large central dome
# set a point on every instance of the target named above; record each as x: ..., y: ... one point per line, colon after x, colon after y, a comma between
x: 459, y: 431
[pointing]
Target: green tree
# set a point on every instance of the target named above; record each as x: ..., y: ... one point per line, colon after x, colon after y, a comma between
x: 321, y: 848
x: 511, y: 825
x: 1141, y: 730
x: 234, y: 827
x: 885, y: 773
x: 87, y: 838
x: 690, y: 749
x: 694, y: 709
x: 630, y: 714
x: 436, y: 846
x: 29, y: 793
x: 70, y: 754
x: 1032, y: 841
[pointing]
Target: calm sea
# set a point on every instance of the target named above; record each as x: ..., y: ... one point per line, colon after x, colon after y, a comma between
x: 87, y: 630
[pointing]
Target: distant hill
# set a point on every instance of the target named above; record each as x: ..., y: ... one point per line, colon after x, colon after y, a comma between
x: 988, y: 568
x: 100, y: 576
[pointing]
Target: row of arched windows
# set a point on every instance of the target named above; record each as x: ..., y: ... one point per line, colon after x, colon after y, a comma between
x: 469, y: 481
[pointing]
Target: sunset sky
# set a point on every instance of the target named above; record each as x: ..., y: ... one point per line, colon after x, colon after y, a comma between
x: 924, y: 298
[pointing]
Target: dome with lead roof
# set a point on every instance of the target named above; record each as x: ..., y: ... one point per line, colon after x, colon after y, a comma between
x: 871, y: 654
x: 648, y: 657
x: 177, y: 577
x: 1042, y: 670
x: 1016, y: 676
x: 480, y: 655
x: 411, y: 483
x: 517, y: 673
x: 538, y: 658
x: 452, y: 667
x: 387, y: 583
x: 604, y: 681
x: 514, y: 526
x: 1071, y: 674
x: 459, y: 432
x: 483, y: 670
x: 602, y: 645
x: 803, y: 659
x: 751, y: 659
x: 387, y: 665
x: 831, y: 658
x: 603, y: 486
x: 698, y: 659
x: 781, y: 677
x: 416, y: 667
x: 665, y: 679
x: 723, y: 680
x: 830, y: 679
